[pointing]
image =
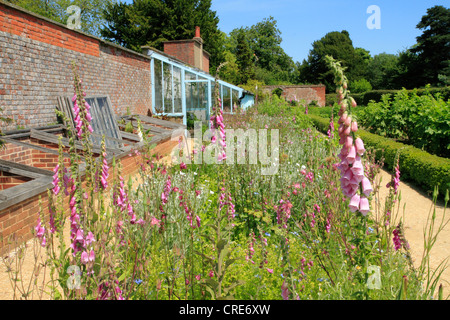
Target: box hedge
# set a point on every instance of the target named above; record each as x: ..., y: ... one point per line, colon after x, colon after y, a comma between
x: 424, y: 169
x: 362, y: 99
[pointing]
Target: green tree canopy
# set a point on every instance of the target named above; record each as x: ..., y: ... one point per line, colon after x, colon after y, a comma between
x: 245, y: 58
x: 151, y: 22
x: 271, y: 64
x: 383, y: 70
x: 433, y: 46
x: 340, y: 47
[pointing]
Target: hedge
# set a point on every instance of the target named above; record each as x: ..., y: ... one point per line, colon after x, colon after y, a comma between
x: 363, y: 99
x: 418, y: 166
x: 377, y: 94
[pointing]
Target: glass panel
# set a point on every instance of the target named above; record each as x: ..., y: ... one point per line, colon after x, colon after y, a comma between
x: 203, y: 95
x: 213, y: 94
x: 168, y: 105
x: 190, y: 95
x: 226, y: 103
x: 177, y: 90
x: 235, y: 96
x: 190, y: 76
x: 158, y: 85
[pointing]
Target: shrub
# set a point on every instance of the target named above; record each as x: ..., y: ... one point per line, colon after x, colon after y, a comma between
x: 376, y: 95
x: 360, y: 86
x: 420, y: 120
x: 425, y: 169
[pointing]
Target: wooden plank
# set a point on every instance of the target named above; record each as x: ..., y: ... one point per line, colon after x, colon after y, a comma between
x: 20, y: 172
x: 54, y: 139
x: 152, y: 129
x: 28, y: 132
x: 108, y: 115
x: 164, y: 123
x: 130, y: 136
x: 25, y: 191
x: 23, y: 167
x: 102, y: 118
x: 113, y: 139
x: 65, y: 108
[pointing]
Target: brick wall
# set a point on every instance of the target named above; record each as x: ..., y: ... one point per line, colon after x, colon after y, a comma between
x: 182, y: 50
x: 308, y: 93
x: 32, y: 157
x: 9, y: 180
x: 188, y: 51
x: 35, y: 68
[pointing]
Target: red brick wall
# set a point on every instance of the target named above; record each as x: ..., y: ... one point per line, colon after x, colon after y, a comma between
x: 35, y: 59
x: 32, y: 157
x: 182, y: 50
x: 308, y: 93
x: 8, y: 180
x: 26, y: 26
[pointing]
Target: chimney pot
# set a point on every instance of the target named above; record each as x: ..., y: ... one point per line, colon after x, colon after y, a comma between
x: 197, y: 32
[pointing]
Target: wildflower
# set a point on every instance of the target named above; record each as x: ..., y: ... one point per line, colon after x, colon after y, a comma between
x: 284, y: 291
x: 182, y: 166
x: 40, y: 232
x: 55, y: 181
x: 90, y: 238
x: 366, y: 186
x: 352, y: 170
x: 138, y: 281
x: 270, y: 270
x: 364, y: 206
x: 395, y: 179
x: 396, y: 239
x: 105, y: 168
x: 165, y: 193
x: 84, y: 257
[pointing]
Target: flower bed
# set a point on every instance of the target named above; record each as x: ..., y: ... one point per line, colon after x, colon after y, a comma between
x: 225, y: 229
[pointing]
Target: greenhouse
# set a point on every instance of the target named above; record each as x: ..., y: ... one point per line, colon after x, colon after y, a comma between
x: 179, y: 89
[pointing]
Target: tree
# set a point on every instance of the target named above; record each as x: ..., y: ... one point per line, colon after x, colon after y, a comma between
x: 230, y: 71
x: 244, y: 58
x: 410, y: 71
x: 151, y: 22
x: 433, y: 46
x: 271, y: 64
x: 383, y: 70
x: 91, y: 11
x: 340, y: 47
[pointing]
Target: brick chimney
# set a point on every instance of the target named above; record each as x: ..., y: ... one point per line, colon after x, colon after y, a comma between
x: 189, y: 51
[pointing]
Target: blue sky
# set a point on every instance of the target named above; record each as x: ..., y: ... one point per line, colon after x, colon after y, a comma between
x: 302, y: 22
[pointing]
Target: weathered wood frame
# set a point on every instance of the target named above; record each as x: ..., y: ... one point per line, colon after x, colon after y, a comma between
x: 42, y: 179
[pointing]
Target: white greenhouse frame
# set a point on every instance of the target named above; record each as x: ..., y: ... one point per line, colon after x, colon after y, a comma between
x: 197, y: 76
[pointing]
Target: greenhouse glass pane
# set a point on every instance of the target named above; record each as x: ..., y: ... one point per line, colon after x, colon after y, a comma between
x: 235, y: 96
x: 158, y: 86
x: 168, y: 106
x: 226, y: 103
x: 177, y: 90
